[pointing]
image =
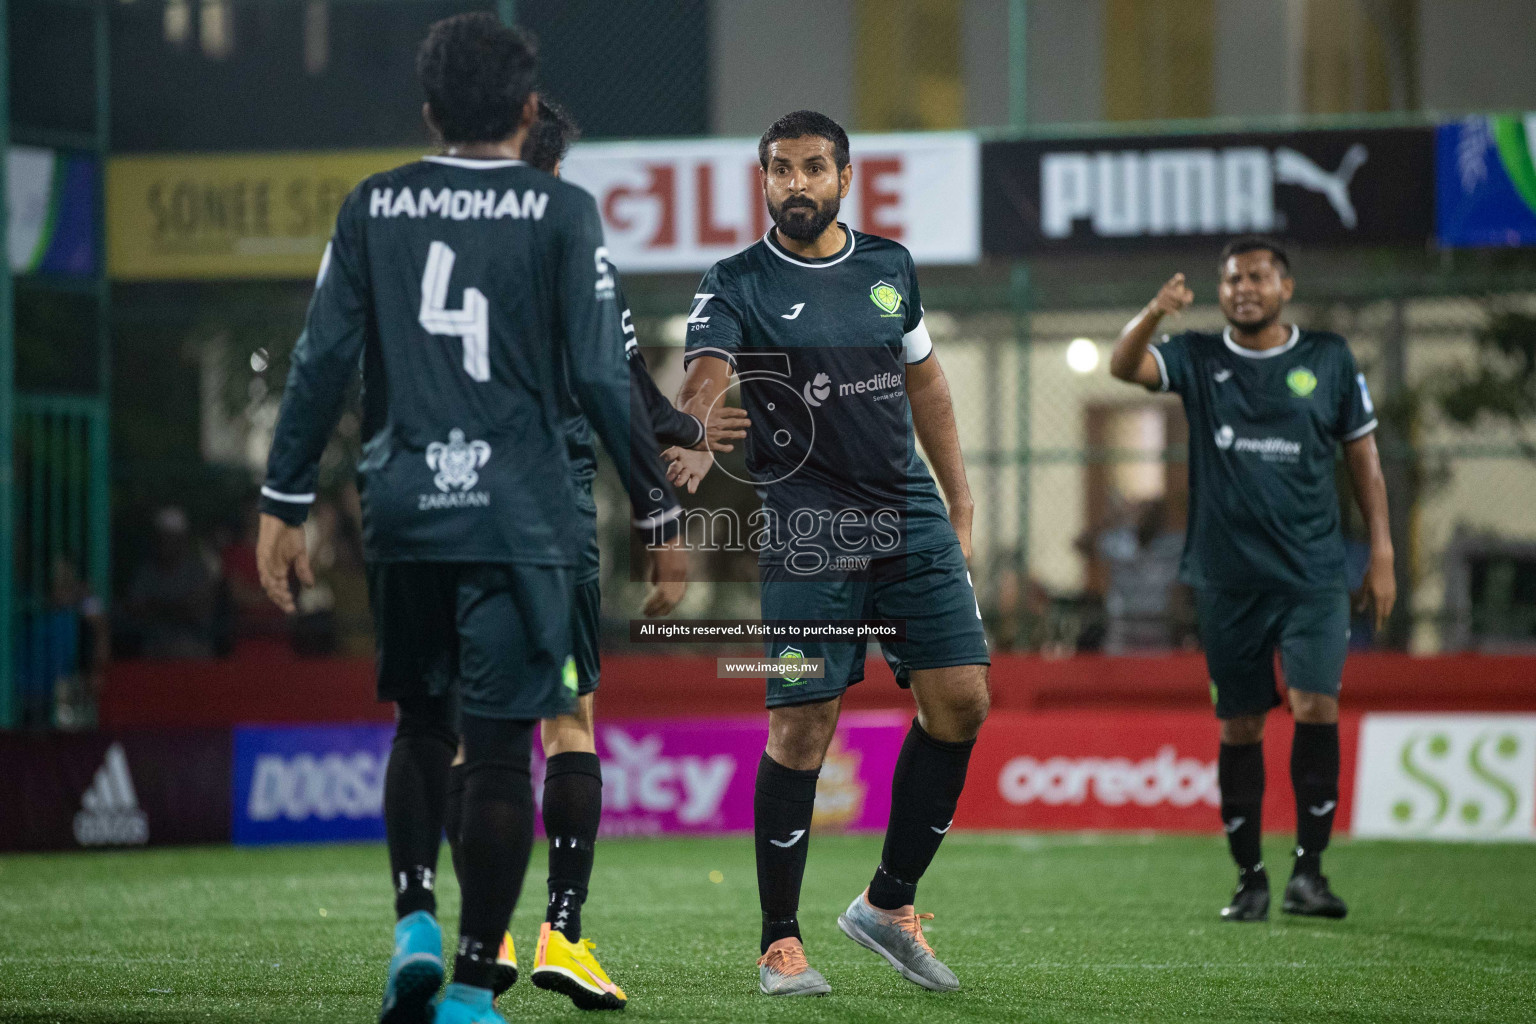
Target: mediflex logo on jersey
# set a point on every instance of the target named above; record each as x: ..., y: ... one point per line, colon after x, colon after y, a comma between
x: 1270, y: 449
x: 109, y: 810
x: 306, y: 784
x: 457, y: 465
x: 1446, y: 777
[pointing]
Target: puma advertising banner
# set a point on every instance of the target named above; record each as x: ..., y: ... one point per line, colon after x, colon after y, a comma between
x: 1326, y: 187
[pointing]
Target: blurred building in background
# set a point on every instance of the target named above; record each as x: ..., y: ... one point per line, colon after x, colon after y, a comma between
x: 1081, y: 152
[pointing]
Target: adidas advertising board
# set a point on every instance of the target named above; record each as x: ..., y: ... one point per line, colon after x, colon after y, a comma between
x: 1366, y: 186
x: 65, y: 791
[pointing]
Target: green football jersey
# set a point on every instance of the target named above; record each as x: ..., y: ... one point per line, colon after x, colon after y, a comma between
x: 1264, y: 429
x: 821, y: 348
x: 477, y: 299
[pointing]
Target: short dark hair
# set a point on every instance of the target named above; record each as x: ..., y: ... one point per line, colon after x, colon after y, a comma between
x: 1256, y: 243
x: 477, y: 74
x: 801, y: 124
x: 549, y: 137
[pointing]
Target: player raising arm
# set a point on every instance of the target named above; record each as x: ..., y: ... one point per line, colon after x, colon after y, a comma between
x: 470, y: 288
x: 1268, y: 404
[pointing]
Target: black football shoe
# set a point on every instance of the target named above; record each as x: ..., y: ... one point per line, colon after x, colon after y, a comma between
x: 1309, y: 896
x: 1251, y: 900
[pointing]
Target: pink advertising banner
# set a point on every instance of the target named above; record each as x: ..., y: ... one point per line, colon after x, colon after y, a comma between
x: 697, y: 775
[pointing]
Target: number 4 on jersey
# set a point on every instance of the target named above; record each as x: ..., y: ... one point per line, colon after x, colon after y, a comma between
x: 472, y: 322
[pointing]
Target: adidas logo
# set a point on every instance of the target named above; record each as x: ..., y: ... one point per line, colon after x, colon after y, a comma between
x: 109, y: 811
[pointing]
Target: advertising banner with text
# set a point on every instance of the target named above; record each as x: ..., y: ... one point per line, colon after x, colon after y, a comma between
x: 666, y: 205
x: 325, y: 783
x: 1467, y: 777
x: 680, y: 206
x: 1327, y: 187
x: 71, y: 791
x: 1121, y: 771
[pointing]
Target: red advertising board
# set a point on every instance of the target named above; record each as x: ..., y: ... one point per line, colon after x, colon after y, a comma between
x: 1097, y: 770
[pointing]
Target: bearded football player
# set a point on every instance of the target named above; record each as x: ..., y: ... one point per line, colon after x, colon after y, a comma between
x: 836, y: 317
x: 1269, y: 404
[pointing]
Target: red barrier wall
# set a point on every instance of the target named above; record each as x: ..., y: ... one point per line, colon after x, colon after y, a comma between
x: 268, y: 683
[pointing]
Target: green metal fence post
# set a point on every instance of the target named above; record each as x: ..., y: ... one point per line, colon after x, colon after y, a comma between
x: 99, y: 504
x: 1019, y: 290
x: 7, y: 403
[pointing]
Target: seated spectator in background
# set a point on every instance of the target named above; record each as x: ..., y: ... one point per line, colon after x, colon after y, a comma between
x: 172, y: 599
x: 1140, y: 601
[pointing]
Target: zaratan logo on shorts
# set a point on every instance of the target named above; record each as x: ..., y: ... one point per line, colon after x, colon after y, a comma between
x: 1111, y: 781
x: 457, y: 465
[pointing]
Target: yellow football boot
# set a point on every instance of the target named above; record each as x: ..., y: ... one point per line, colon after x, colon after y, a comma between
x: 506, y: 966
x: 569, y: 968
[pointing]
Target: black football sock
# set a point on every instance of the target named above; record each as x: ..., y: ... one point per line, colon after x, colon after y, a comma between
x: 1240, y: 774
x: 1315, y: 778
x: 453, y: 818
x: 415, y: 787
x: 573, y: 806
x: 496, y: 840
x: 925, y: 787
x: 781, y: 824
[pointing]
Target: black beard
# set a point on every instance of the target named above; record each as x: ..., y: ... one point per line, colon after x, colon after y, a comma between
x: 1257, y: 325
x: 804, y: 228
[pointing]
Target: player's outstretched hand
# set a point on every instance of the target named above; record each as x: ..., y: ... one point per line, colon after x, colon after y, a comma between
x: 726, y: 423
x: 1379, y: 591
x: 686, y: 467
x: 1173, y: 296
x: 669, y: 578
x: 280, y: 550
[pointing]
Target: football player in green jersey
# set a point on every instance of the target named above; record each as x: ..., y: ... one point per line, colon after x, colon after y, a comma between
x: 474, y: 293
x: 1268, y: 406
x: 824, y: 327
x: 573, y: 783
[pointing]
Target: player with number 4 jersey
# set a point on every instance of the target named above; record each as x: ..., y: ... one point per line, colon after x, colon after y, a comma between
x: 475, y: 294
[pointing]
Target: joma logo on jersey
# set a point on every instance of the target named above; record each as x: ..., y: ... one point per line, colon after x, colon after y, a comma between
x: 886, y: 297
x: 458, y: 204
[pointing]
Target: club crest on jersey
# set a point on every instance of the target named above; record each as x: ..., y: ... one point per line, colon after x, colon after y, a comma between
x: 457, y: 463
x: 886, y: 297
x: 1301, y: 381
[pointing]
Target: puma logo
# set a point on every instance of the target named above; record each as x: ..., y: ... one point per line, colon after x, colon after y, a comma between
x: 794, y: 837
x: 1292, y: 168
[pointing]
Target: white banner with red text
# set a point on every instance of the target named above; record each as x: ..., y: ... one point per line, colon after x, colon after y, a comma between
x: 683, y: 205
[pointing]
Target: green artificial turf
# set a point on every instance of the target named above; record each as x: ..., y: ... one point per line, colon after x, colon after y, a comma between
x: 1038, y: 928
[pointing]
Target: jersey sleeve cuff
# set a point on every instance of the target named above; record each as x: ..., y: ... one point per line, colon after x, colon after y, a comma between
x: 700, y: 439
x: 718, y: 353
x: 292, y: 509
x: 1162, y: 368
x: 1357, y: 434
